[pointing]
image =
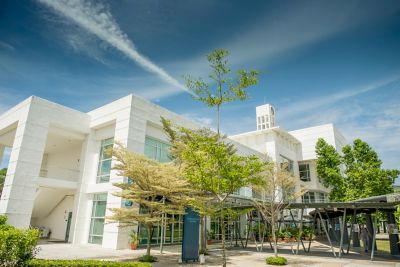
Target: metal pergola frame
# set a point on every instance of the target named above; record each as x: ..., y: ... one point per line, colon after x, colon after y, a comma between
x: 325, y: 212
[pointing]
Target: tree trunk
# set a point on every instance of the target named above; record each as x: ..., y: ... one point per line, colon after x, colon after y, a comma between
x: 274, y: 237
x: 203, y: 233
x: 218, y: 120
x: 148, y: 240
x: 223, y: 238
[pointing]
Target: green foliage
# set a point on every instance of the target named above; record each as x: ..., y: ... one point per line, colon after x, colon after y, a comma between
x: 148, y: 258
x: 157, y: 187
x: 397, y: 214
x: 363, y: 174
x: 328, y: 169
x: 133, y: 237
x: 16, y: 245
x: 276, y: 260
x: 365, y: 177
x: 3, y: 173
x: 223, y: 88
x: 3, y: 219
x: 82, y: 263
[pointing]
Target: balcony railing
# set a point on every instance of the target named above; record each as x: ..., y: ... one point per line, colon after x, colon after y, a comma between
x: 56, y: 172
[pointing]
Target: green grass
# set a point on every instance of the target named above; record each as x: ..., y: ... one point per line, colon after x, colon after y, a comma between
x: 383, y: 245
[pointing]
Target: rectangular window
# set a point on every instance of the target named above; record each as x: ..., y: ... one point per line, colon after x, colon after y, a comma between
x: 104, y: 169
x: 97, y: 218
x: 286, y: 164
x: 304, y: 170
x: 157, y: 150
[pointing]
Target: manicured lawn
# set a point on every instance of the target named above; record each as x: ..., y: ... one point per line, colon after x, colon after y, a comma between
x: 383, y: 245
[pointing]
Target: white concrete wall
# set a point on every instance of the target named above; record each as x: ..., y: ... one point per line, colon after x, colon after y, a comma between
x: 58, y: 218
x: 309, y: 137
x: 64, y: 164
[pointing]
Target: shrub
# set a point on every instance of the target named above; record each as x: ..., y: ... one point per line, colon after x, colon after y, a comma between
x: 16, y: 246
x: 276, y: 260
x: 3, y: 219
x: 83, y: 263
x: 147, y: 258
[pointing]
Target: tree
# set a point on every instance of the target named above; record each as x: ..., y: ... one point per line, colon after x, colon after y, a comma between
x: 223, y: 88
x: 363, y: 174
x: 211, y: 165
x: 220, y: 90
x: 328, y: 169
x: 277, y: 190
x: 157, y: 189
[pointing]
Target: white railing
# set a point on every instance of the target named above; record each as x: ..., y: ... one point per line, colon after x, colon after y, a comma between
x: 56, y: 172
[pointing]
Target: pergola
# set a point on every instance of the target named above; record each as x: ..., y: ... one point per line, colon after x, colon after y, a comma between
x: 326, y: 212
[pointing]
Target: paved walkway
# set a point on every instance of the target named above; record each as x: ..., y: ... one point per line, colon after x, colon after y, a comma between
x: 320, y: 256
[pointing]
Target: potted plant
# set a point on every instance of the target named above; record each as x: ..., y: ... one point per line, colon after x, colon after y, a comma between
x: 210, y: 236
x: 133, y: 238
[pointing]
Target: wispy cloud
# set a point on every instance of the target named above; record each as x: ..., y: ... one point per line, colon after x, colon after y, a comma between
x: 297, y: 25
x: 302, y: 107
x: 6, y: 46
x: 98, y: 20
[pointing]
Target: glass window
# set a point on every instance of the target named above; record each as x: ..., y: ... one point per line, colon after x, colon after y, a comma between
x: 314, y: 197
x: 97, y: 218
x: 286, y: 164
x: 304, y: 170
x: 104, y: 169
x: 157, y: 150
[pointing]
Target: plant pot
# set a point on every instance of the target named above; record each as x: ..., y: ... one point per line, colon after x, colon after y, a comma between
x: 209, y: 242
x: 202, y: 258
x: 133, y: 246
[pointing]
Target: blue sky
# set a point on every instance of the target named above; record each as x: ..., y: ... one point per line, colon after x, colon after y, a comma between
x: 321, y: 61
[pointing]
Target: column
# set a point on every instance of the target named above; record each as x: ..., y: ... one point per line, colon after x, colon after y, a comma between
x: 393, y: 238
x: 130, y: 130
x: 23, y: 169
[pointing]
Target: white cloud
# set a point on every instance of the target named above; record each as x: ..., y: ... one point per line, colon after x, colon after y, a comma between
x: 202, y: 120
x: 6, y: 46
x: 302, y: 107
x: 96, y: 19
x: 297, y: 25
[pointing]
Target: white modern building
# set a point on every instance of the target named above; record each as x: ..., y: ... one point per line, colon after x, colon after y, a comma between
x: 59, y: 178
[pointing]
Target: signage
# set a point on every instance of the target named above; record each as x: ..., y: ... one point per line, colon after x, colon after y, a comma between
x: 190, y: 242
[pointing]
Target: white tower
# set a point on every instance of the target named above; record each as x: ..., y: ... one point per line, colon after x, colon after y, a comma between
x: 265, y: 117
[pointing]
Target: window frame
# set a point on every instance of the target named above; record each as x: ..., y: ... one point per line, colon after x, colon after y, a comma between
x: 104, y: 144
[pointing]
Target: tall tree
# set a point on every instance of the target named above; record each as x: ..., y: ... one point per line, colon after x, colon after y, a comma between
x: 223, y: 88
x: 211, y: 165
x: 362, y: 169
x: 328, y: 170
x: 220, y: 88
x: 365, y: 176
x: 157, y: 189
x: 277, y: 191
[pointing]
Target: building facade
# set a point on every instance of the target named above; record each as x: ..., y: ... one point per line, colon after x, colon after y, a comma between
x: 60, y: 179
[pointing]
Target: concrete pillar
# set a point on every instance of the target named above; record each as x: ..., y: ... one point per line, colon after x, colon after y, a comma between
x: 82, y: 204
x: 393, y: 238
x: 370, y: 230
x: 130, y: 130
x: 23, y: 169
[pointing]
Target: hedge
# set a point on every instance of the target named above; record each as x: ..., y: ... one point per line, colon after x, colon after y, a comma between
x: 82, y: 263
x: 16, y: 245
x: 276, y: 260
